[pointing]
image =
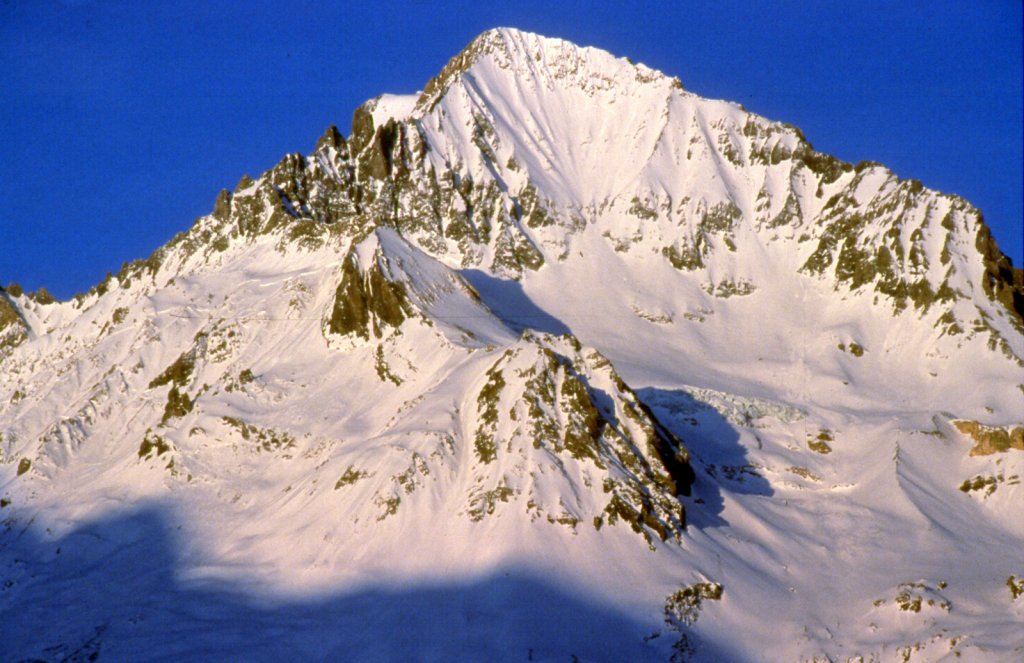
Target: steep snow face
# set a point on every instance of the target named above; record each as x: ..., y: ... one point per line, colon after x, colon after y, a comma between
x: 385, y: 280
x: 525, y: 96
x: 554, y: 354
x: 552, y: 144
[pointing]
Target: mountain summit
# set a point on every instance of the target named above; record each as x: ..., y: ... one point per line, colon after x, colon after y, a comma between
x: 547, y: 360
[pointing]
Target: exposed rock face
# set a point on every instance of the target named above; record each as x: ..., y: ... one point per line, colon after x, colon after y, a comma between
x: 991, y: 439
x: 1002, y: 281
x: 13, y: 328
x: 366, y: 302
x: 548, y: 400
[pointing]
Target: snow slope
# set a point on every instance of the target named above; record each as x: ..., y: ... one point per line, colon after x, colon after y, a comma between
x: 552, y: 359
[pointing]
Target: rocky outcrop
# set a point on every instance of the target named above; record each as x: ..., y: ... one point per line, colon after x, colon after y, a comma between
x: 13, y: 328
x: 549, y: 400
x: 1002, y: 281
x: 991, y: 439
x: 367, y: 302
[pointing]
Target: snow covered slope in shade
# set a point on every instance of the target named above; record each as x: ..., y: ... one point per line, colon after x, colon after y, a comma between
x: 552, y: 348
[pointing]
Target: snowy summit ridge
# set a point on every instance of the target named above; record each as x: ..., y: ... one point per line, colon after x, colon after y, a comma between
x: 553, y: 327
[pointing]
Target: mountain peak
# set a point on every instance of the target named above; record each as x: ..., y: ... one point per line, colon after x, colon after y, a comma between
x: 554, y: 311
x: 533, y: 55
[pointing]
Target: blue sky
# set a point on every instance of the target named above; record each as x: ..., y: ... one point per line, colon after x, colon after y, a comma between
x: 120, y: 121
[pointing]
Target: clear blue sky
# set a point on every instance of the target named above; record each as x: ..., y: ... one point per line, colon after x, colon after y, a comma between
x: 120, y: 121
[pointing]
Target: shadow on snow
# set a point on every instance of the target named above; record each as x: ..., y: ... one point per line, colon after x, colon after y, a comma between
x: 112, y: 589
x: 507, y: 300
x: 718, y: 458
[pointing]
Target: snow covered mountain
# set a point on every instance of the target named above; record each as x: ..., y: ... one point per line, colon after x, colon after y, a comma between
x: 549, y: 360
